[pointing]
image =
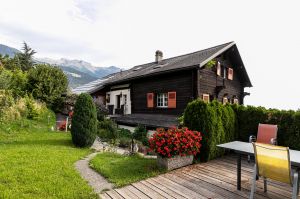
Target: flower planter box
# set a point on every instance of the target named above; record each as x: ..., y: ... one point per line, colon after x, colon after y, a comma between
x: 174, y: 162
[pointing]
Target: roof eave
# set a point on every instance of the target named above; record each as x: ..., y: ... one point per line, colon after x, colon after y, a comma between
x: 202, y: 64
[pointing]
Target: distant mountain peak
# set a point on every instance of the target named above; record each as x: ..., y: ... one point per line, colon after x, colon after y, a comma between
x: 79, y: 72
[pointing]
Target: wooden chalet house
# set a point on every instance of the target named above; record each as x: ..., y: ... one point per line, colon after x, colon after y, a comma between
x: 155, y: 94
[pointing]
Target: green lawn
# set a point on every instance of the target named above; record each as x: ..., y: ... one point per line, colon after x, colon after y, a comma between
x: 37, y: 163
x: 123, y: 170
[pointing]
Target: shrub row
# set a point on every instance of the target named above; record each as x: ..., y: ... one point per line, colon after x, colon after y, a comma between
x: 220, y: 123
x: 288, y: 123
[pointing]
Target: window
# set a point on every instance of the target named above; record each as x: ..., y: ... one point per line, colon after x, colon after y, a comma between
x: 162, y: 100
x: 224, y: 72
x: 219, y: 69
x: 225, y: 100
x: 108, y: 98
x: 235, y: 100
x: 230, y: 73
x: 205, y: 97
x: 125, y: 99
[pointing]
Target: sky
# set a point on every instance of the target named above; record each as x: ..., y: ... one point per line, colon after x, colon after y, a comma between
x: 127, y: 33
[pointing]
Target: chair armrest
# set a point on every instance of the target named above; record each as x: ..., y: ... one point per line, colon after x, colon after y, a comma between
x: 273, y: 141
x: 252, y: 138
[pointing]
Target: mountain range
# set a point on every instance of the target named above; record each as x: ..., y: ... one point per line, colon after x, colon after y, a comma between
x: 79, y: 72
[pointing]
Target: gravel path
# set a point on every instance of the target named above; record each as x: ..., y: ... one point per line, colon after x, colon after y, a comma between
x: 95, y: 180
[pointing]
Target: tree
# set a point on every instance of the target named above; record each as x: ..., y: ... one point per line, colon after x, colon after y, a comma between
x: 18, y: 83
x: 26, y: 57
x: 47, y: 83
x: 5, y: 78
x: 84, y: 121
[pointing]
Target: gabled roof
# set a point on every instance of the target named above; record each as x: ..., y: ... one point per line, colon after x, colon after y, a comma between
x: 182, y: 62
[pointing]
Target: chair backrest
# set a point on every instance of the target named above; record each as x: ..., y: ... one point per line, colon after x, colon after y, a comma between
x: 266, y: 132
x: 273, y: 162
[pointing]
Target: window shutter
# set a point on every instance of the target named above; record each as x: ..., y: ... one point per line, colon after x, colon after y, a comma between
x: 205, y: 97
x: 150, y: 100
x: 230, y: 73
x: 171, y: 99
x: 219, y: 69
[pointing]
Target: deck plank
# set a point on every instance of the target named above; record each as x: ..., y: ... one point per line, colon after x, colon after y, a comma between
x: 192, y: 185
x: 164, y: 192
x: 137, y: 192
x: 178, y: 188
x: 126, y: 193
x: 113, y: 194
x: 151, y: 192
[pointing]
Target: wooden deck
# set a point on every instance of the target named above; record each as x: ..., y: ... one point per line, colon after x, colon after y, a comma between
x: 214, y: 179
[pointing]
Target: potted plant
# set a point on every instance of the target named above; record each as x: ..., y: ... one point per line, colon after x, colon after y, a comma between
x: 175, y: 147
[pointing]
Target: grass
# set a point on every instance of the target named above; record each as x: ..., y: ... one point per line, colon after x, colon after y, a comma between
x: 123, y: 170
x: 38, y: 163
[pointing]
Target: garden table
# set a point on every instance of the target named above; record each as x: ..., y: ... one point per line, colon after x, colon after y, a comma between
x: 246, y: 148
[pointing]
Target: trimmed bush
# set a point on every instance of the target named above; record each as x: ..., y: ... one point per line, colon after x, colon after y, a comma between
x: 107, y: 130
x: 216, y: 122
x: 84, y: 121
x: 140, y: 134
x: 124, y: 133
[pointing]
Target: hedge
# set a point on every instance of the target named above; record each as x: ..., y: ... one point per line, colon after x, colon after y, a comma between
x: 220, y: 123
x: 288, y: 124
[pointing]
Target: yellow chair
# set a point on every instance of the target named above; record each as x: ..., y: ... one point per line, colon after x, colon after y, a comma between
x: 273, y: 162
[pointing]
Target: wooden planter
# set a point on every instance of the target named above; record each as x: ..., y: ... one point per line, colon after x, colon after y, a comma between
x: 174, y: 162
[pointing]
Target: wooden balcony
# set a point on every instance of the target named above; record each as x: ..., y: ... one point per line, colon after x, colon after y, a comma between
x: 214, y: 179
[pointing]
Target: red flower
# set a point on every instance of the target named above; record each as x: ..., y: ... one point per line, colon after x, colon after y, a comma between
x: 175, y: 141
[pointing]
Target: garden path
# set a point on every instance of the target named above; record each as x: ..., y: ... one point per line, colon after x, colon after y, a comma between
x: 95, y: 180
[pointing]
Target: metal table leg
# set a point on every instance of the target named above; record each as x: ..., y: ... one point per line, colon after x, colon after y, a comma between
x: 239, y: 163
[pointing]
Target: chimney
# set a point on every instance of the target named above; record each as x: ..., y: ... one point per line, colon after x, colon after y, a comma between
x: 158, y: 56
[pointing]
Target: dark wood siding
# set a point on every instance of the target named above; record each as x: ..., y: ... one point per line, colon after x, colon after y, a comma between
x: 208, y: 81
x: 182, y: 82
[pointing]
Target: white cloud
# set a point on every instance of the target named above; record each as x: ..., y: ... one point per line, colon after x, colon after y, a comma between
x: 126, y: 33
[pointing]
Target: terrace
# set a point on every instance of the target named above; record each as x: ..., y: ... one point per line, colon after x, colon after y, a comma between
x: 214, y: 179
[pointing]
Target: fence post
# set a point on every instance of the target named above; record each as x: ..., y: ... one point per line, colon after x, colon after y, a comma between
x: 67, y: 121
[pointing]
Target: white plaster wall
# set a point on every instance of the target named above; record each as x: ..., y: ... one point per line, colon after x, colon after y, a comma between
x: 113, y: 99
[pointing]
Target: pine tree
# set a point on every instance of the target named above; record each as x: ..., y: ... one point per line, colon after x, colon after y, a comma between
x: 26, y: 57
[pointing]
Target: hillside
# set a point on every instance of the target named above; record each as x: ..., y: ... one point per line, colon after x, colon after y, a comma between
x: 6, y: 50
x: 79, y: 72
x: 77, y: 78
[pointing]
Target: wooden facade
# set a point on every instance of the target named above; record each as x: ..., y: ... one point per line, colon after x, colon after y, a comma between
x: 183, y: 83
x: 217, y: 86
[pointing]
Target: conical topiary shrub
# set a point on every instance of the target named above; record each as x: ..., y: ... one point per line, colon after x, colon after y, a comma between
x: 84, y: 121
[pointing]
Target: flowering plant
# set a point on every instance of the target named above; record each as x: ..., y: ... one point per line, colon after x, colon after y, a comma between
x: 175, y: 141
